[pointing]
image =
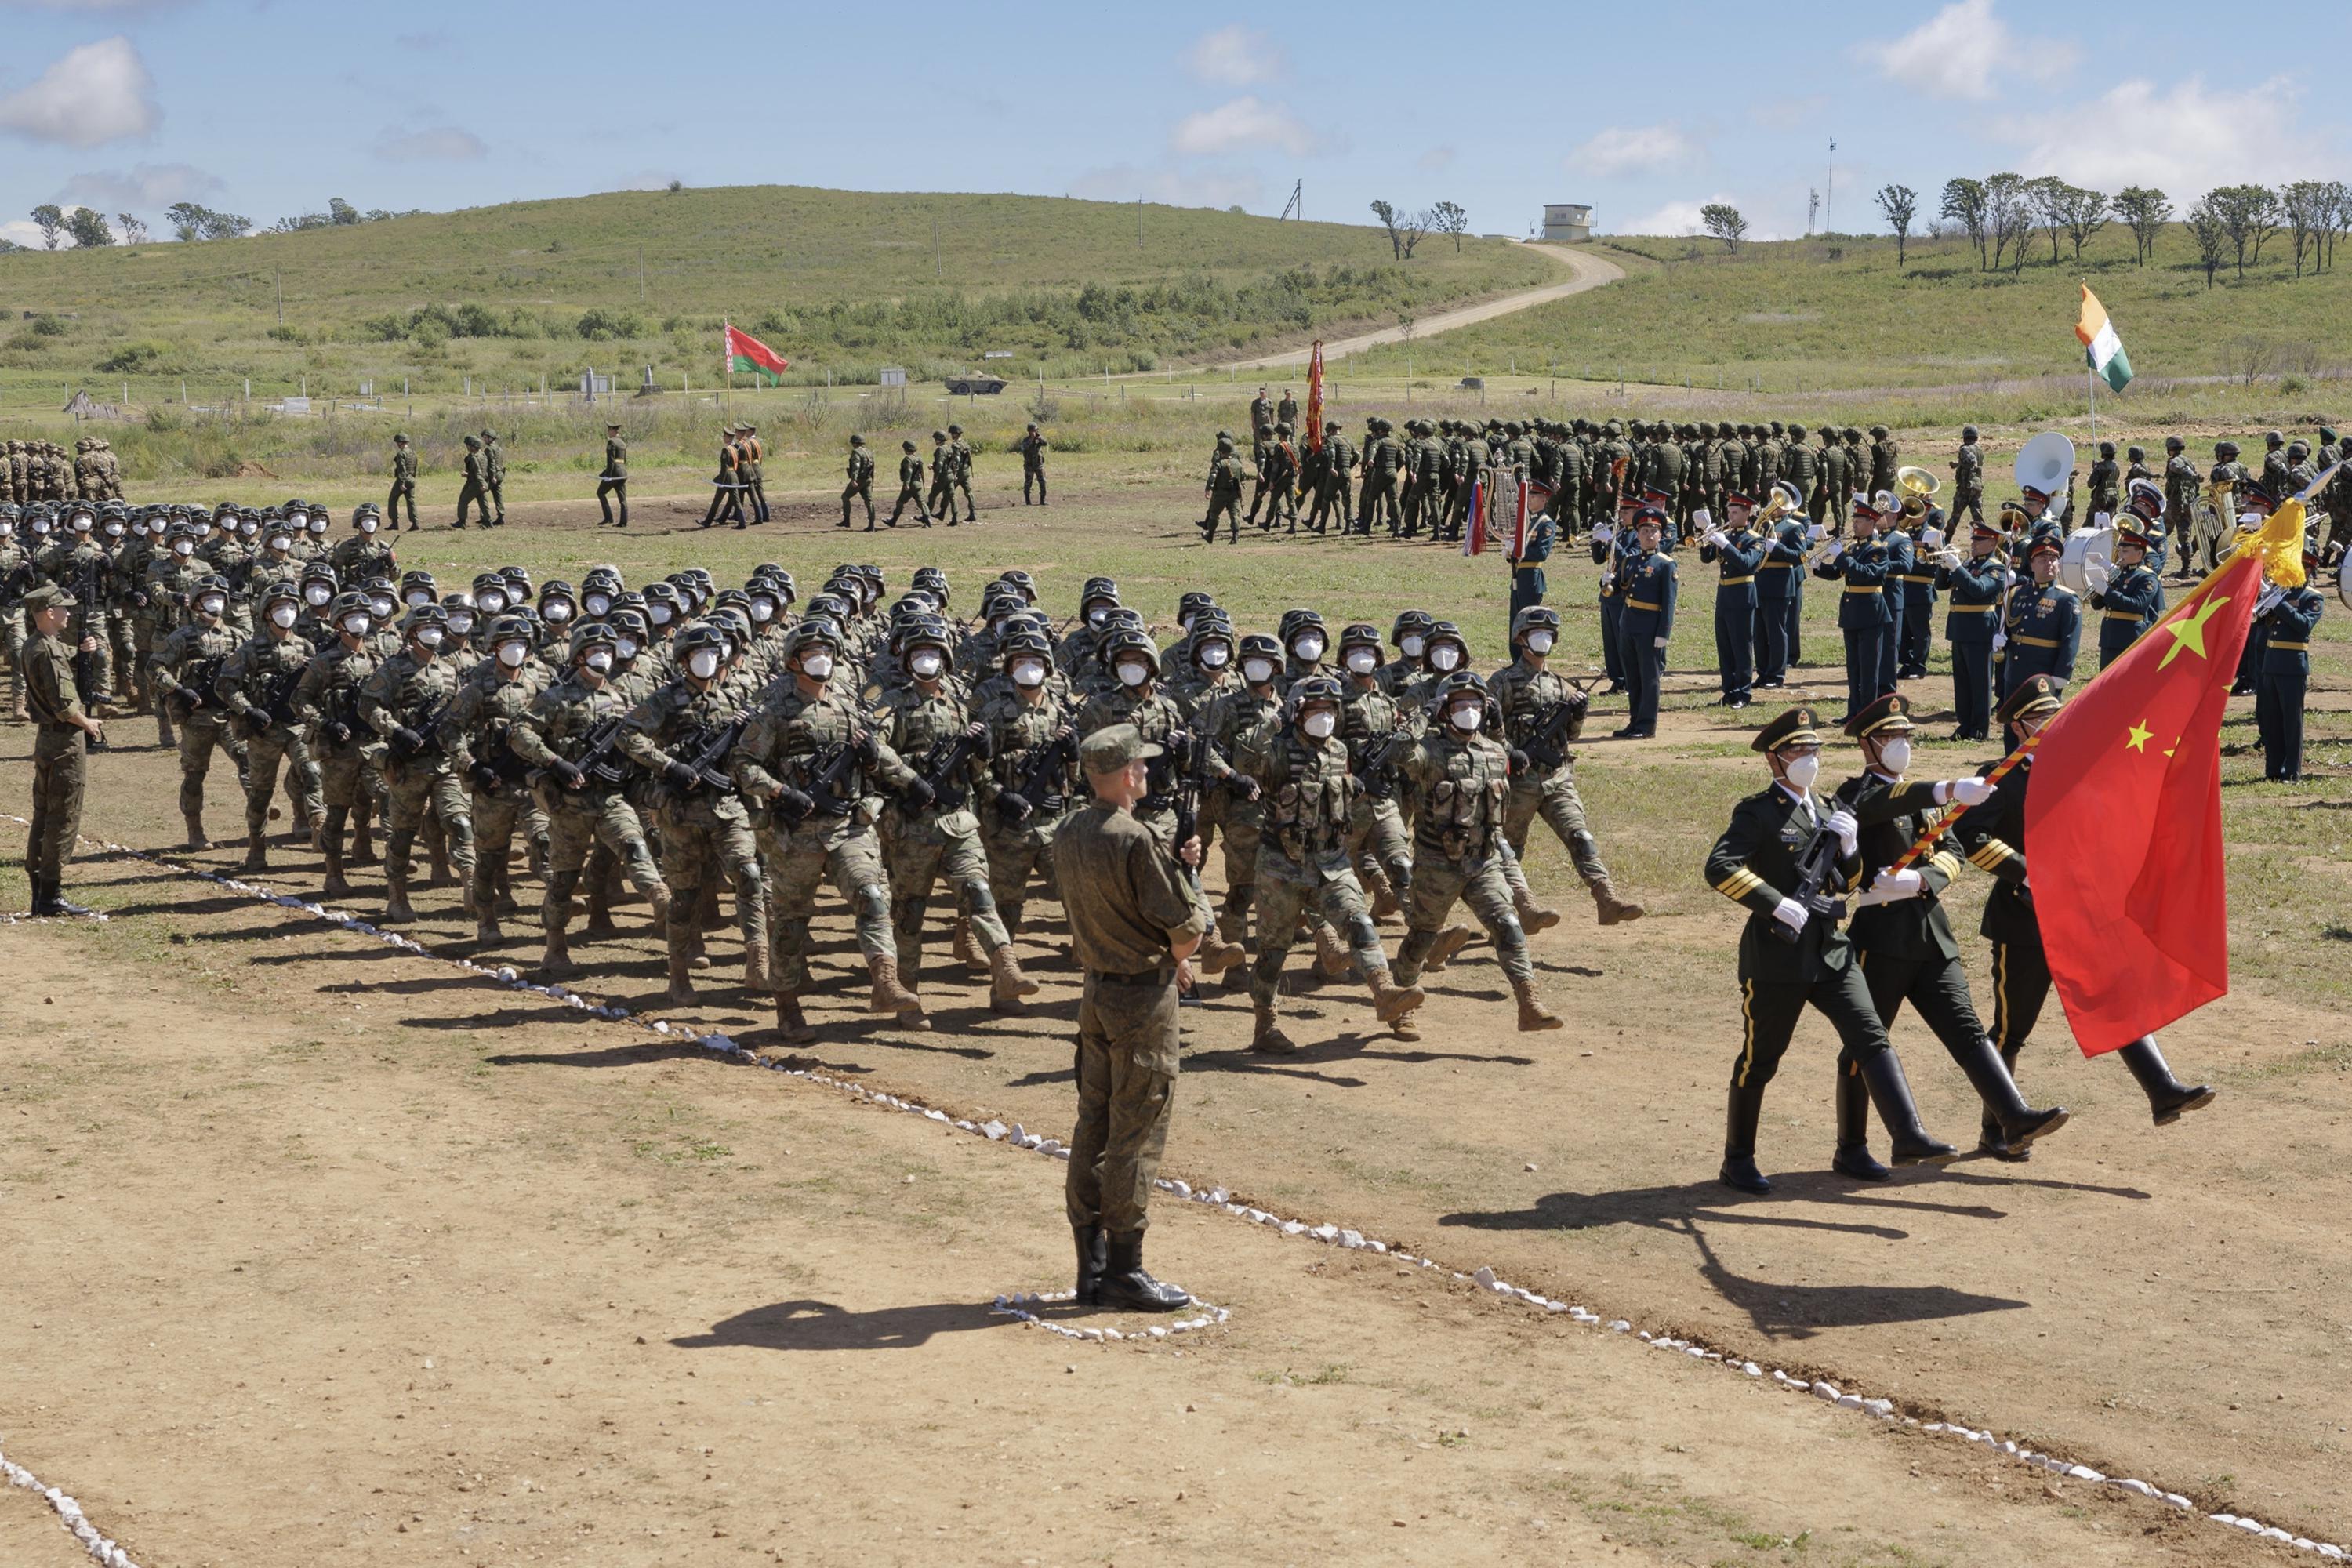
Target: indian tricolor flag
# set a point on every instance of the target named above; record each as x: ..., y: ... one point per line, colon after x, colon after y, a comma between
x: 2101, y: 347
x: 739, y: 350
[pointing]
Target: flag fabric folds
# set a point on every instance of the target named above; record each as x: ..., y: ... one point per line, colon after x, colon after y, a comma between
x: 739, y: 350
x: 1311, y: 438
x: 1473, y: 530
x: 2101, y: 347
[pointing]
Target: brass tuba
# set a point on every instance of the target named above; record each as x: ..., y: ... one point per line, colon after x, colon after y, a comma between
x: 1918, y: 487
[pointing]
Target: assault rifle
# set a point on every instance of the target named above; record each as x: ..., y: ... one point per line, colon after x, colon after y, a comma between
x: 85, y: 589
x: 1042, y: 776
x: 1375, y: 758
x: 428, y: 733
x: 277, y: 704
x: 827, y: 770
x: 946, y: 759
x: 705, y: 751
x: 198, y: 677
x: 1554, y: 728
x: 600, y: 760
x: 495, y: 762
x: 1816, y: 867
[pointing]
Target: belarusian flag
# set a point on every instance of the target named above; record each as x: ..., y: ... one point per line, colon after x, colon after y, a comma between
x: 2123, y: 824
x: 740, y: 351
x: 2101, y: 347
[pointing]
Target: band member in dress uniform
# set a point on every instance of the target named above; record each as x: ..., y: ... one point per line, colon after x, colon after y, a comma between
x: 1973, y: 584
x: 1647, y: 622
x: 2288, y: 617
x: 1993, y: 835
x: 1900, y: 567
x: 2045, y: 621
x: 1793, y: 953
x: 1902, y: 939
x: 1780, y: 600
x: 1611, y: 542
x: 2132, y: 597
x: 1862, y: 565
x: 1738, y: 553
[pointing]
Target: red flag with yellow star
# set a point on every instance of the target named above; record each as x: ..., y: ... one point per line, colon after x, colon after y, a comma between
x: 2123, y: 824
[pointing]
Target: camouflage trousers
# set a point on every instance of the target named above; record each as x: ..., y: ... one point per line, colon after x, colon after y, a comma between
x: 577, y: 821
x: 1553, y: 798
x: 202, y: 733
x: 497, y: 815
x: 1016, y: 856
x: 12, y: 629
x: 123, y: 649
x: 279, y: 743
x: 1335, y: 898
x: 1127, y: 1089
x: 347, y: 775
x: 1439, y: 881
x: 701, y: 844
x: 415, y: 792
x: 1377, y: 838
x: 849, y: 856
x: 923, y: 854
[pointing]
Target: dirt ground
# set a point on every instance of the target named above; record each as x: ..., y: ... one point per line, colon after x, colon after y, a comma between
x: 338, y: 1256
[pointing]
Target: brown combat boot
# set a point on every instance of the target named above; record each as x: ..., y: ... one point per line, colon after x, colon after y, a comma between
x: 1612, y: 910
x: 755, y: 966
x: 658, y: 902
x: 436, y: 850
x: 1449, y: 941
x: 556, y: 962
x: 486, y: 933
x: 1268, y: 1039
x: 1007, y: 985
x: 1533, y: 916
x: 891, y: 996
x: 396, y: 910
x: 1216, y: 954
x: 1331, y: 959
x: 792, y: 1027
x: 1385, y: 901
x: 256, y: 852
x: 364, y: 842
x: 600, y: 912
x: 681, y: 980
x: 195, y: 821
x: 1391, y: 1002
x: 336, y: 886
x: 964, y: 950
x: 1534, y: 1017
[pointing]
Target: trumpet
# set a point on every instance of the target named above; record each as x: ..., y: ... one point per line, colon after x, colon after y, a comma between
x: 1918, y: 487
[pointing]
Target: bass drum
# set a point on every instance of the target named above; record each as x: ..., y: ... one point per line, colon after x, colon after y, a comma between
x: 2090, y: 553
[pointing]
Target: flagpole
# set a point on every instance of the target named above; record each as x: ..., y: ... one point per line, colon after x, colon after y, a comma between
x: 2093, y: 372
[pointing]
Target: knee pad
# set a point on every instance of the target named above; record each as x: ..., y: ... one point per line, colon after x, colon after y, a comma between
x: 977, y: 898
x: 1362, y: 935
x: 1509, y: 934
x: 874, y: 901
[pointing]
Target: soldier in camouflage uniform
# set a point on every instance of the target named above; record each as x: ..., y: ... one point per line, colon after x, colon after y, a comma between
x: 805, y: 760
x: 941, y: 502
x: 76, y: 562
x: 1335, y: 495
x: 16, y: 579
x: 257, y: 686
x: 403, y: 483
x: 404, y: 701
x: 1542, y: 715
x: 960, y: 473
x: 615, y: 480
x: 1223, y: 489
x: 1460, y: 786
x: 186, y: 666
x: 494, y: 478
x: 1371, y: 720
x: 1383, y: 458
x: 476, y: 732
x: 1233, y: 804
x: 910, y: 487
x: 326, y: 699
x: 859, y: 484
x: 475, y: 490
x: 1968, y: 479
x: 1031, y: 769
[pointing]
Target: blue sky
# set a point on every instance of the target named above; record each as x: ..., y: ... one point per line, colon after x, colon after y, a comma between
x: 269, y: 107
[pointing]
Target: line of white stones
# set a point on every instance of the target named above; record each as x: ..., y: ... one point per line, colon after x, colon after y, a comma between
x: 1221, y: 1198
x: 101, y: 1548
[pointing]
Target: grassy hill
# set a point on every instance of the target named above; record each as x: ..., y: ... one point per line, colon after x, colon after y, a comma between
x: 1787, y: 318
x: 841, y: 282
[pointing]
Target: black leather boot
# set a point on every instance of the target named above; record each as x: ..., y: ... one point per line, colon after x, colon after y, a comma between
x: 2167, y: 1097
x: 1990, y: 1139
x: 1853, y: 1157
x: 1882, y: 1073
x: 45, y: 900
x: 2020, y: 1123
x: 1739, y: 1172
x: 1125, y: 1284
x: 1093, y: 1248
x: 59, y: 906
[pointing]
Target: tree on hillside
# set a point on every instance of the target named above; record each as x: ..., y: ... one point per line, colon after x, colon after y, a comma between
x: 2308, y: 208
x: 1723, y: 221
x: 135, y: 229
x: 2146, y: 210
x: 1901, y: 204
x: 342, y: 211
x: 1447, y: 218
x: 2083, y: 213
x: 191, y: 222
x: 2339, y: 216
x: 88, y: 227
x: 50, y: 219
x: 1389, y: 219
x: 2046, y: 197
x: 2211, y: 235
x: 2008, y: 217
x: 2248, y: 214
x: 1964, y: 204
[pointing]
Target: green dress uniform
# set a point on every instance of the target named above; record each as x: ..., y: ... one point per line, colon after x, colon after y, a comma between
x: 2128, y: 605
x: 1647, y: 621
x: 614, y: 481
x: 2287, y: 624
x: 60, y: 756
x: 1972, y: 608
x: 1737, y: 559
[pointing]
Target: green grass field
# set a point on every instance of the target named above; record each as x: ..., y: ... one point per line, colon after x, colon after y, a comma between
x: 842, y: 282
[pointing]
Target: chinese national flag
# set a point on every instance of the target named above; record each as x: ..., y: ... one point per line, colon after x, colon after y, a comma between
x: 1311, y: 438
x: 2123, y: 824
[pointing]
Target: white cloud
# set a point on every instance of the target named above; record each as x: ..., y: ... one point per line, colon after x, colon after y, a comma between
x: 1965, y: 51
x: 1125, y: 182
x: 1236, y: 56
x: 97, y: 93
x: 440, y: 144
x: 1682, y: 218
x: 149, y: 186
x: 2183, y: 139
x: 1437, y: 160
x: 1633, y: 150
x: 22, y: 231
x: 1243, y: 125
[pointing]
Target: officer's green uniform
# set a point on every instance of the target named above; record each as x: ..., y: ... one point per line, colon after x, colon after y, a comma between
x: 614, y: 480
x: 59, y: 756
x: 860, y: 483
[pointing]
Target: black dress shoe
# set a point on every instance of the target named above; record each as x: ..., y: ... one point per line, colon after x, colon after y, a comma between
x: 1125, y: 1283
x: 1740, y: 1174
x: 1856, y: 1161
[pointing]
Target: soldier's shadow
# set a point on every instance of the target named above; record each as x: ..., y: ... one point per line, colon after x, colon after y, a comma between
x: 1801, y: 1311
x: 813, y: 1325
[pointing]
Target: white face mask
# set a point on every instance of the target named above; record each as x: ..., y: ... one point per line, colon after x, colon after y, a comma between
x: 1463, y: 716
x: 182, y: 548
x: 599, y: 660
x: 1309, y: 648
x: 211, y: 604
x: 1028, y: 672
x: 817, y: 666
x: 281, y: 542
x: 658, y: 614
x: 1413, y: 643
x: 1320, y: 723
x: 1258, y: 671
x: 1895, y: 757
x: 356, y: 625
x: 1098, y: 614
x: 318, y: 526
x: 491, y: 600
x: 1538, y: 642
x: 113, y: 530
x: 367, y: 525
x: 1132, y: 674
x: 416, y: 596
x: 1362, y: 660
x: 926, y: 663
x: 298, y: 521
x: 382, y: 606
x: 461, y: 622
x: 282, y: 616
x: 40, y: 526
x: 1444, y: 656
x: 598, y: 602
x: 512, y: 653
x: 317, y: 595
x: 703, y: 663
x: 430, y: 637
x: 1800, y: 771
x: 762, y: 611
x: 245, y: 531
x: 627, y: 645
x: 555, y: 613
x: 1215, y: 655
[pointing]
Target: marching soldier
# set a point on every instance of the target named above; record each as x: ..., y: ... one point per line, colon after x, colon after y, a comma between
x: 942, y: 497
x: 615, y: 480
x: 1261, y: 442
x: 256, y: 687
x: 477, y: 733
x: 1376, y: 729
x: 494, y: 479
x: 404, y: 701
x: 1993, y: 835
x: 1784, y: 846
x: 2288, y: 617
x: 2106, y: 483
x: 1033, y: 464
x: 2275, y: 466
x: 186, y: 667
x: 326, y: 699
x: 726, y: 485
x: 1223, y: 490
x: 1886, y: 457
x: 1281, y: 478
x: 1542, y: 714
x: 60, y: 757
x: 1968, y: 479
x: 1234, y: 807
x: 2043, y: 626
x: 1647, y: 622
x: 1032, y: 751
x: 1335, y: 492
x: 1903, y: 941
x: 2129, y: 599
x: 403, y: 483
x: 476, y: 490
x: 910, y: 487
x: 1383, y: 458
x: 1975, y: 586
x: 1860, y: 566
x: 1737, y: 553
x: 1780, y: 587
x: 750, y: 468
x: 960, y: 472
x: 860, y: 485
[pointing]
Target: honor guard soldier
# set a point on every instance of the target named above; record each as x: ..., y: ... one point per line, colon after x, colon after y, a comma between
x: 1784, y: 848
x: 1860, y: 566
x: 751, y: 469
x: 1133, y: 923
x: 1542, y: 714
x: 1973, y: 584
x: 1737, y: 553
x: 2288, y: 617
x: 2129, y: 597
x: 60, y: 756
x: 860, y: 483
x: 1993, y: 835
x: 1903, y: 941
x: 1647, y: 622
x: 1780, y: 600
x: 1527, y: 585
x: 2045, y: 625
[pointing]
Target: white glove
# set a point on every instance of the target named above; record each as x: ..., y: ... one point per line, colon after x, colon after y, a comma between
x: 1790, y: 914
x: 2097, y: 574
x: 1971, y: 791
x: 1657, y: 642
x: 1715, y: 537
x: 2100, y: 518
x: 1931, y: 538
x: 2000, y: 641
x: 1604, y: 534
x: 1836, y: 549
x: 1843, y: 824
x: 1813, y: 532
x: 1701, y: 518
x: 1889, y: 887
x: 2269, y: 601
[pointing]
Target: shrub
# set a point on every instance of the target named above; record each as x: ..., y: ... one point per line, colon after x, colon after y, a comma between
x: 599, y: 325
x: 140, y: 357
x: 48, y: 326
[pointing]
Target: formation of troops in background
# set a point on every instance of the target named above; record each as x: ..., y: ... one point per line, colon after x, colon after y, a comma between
x: 45, y: 471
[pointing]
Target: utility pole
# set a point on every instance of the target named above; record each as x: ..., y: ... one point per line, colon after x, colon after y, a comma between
x: 641, y: 275
x: 277, y: 288
x: 1829, y: 193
